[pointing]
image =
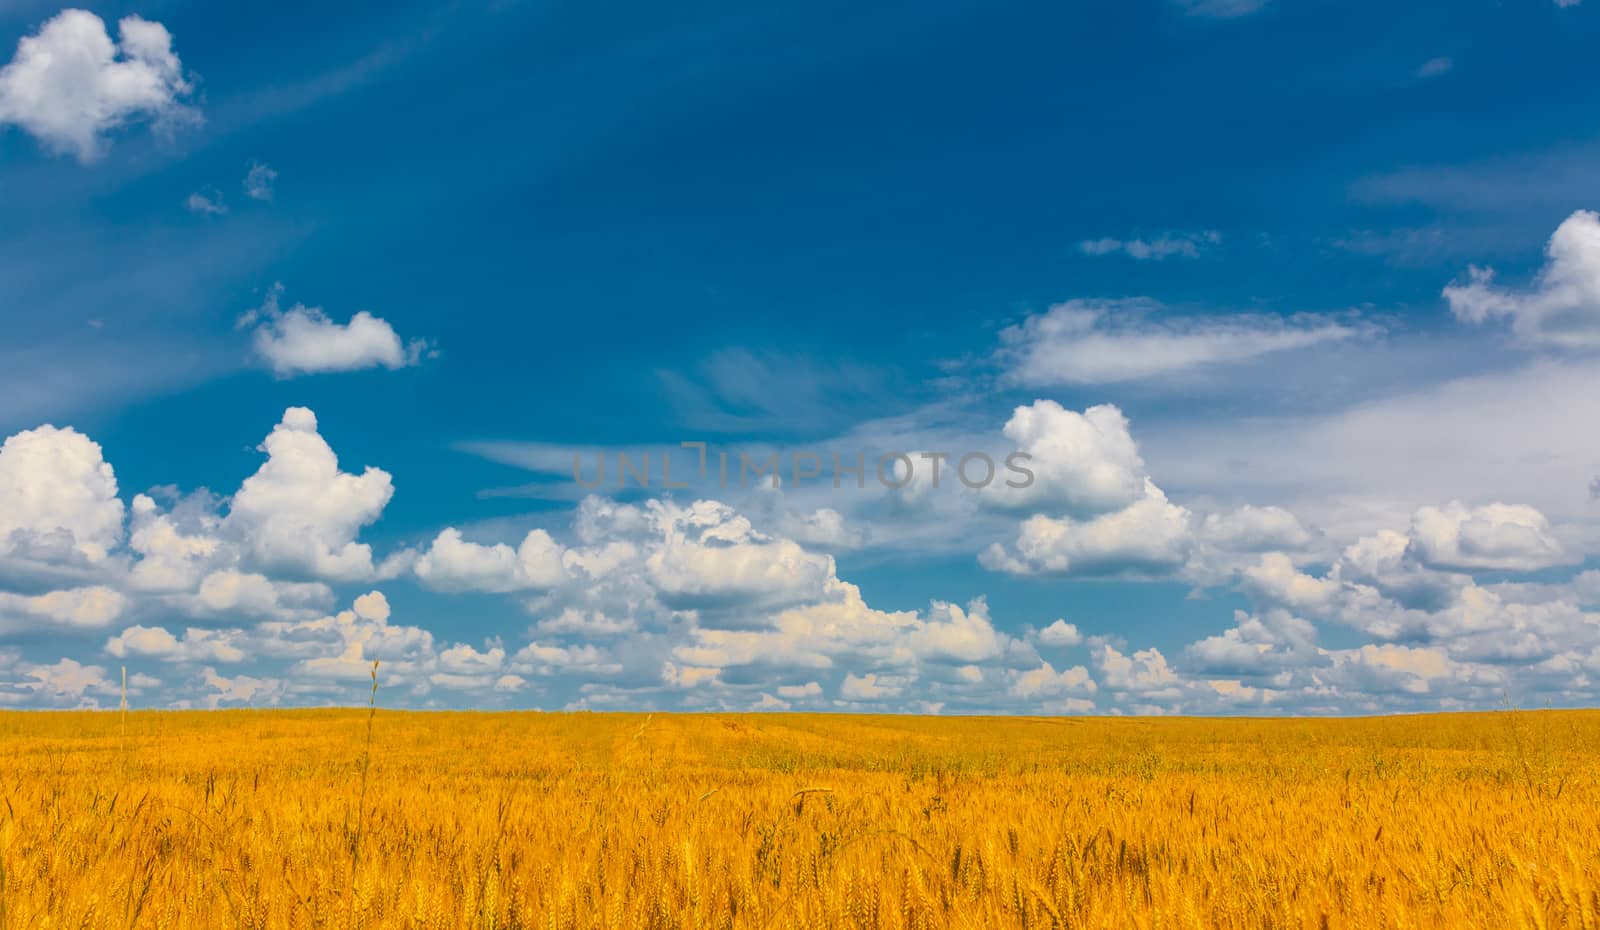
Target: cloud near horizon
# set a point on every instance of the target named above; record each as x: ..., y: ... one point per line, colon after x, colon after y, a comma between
x: 693, y: 604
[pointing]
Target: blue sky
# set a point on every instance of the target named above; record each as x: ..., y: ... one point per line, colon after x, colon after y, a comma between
x: 306, y: 312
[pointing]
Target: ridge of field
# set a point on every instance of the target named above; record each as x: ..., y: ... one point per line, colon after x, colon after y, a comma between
x: 299, y: 818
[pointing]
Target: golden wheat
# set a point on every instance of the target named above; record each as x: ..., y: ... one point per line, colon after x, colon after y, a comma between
x: 254, y: 820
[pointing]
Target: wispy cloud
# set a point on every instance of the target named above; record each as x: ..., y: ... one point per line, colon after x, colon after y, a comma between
x: 206, y: 202
x: 1221, y: 9
x: 1157, y: 248
x: 1436, y: 67
x: 1104, y: 342
x: 259, y: 181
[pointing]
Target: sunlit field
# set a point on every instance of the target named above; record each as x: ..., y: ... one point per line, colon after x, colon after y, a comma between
x: 295, y: 819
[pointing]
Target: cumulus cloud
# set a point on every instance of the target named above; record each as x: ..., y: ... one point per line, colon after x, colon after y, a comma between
x: 709, y: 554
x: 300, y: 511
x: 1389, y: 667
x: 538, y: 658
x: 688, y: 605
x: 242, y: 689
x: 91, y: 607
x: 806, y: 691
x: 452, y: 564
x: 343, y: 646
x: 174, y: 547
x: 1046, y: 682
x: 196, y: 645
x: 1060, y: 634
x: 1254, y: 529
x: 1257, y: 645
x: 1560, y: 308
x: 1170, y: 245
x: 69, y: 683
x: 253, y: 594
x: 1095, y: 510
x: 1115, y: 341
x: 304, y: 340
x: 56, y: 487
x: 326, y: 654
x: 953, y: 635
x: 1145, y: 672
x: 868, y: 687
x: 70, y: 85
x: 1082, y: 463
x: 1504, y: 537
x: 1416, y: 588
x: 1150, y: 537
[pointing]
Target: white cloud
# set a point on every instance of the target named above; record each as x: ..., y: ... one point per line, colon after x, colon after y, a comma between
x: 709, y: 554
x: 1060, y: 634
x: 1277, y: 579
x: 1519, y: 434
x: 206, y: 202
x: 242, y: 689
x: 1045, y: 682
x: 1170, y: 245
x: 1082, y: 463
x: 1151, y: 537
x: 1435, y: 67
x: 1221, y: 9
x: 259, y: 181
x: 824, y: 528
x: 951, y: 634
x: 462, y: 659
x: 688, y: 676
x: 69, y: 682
x: 341, y: 648
x: 253, y: 594
x: 868, y: 687
x: 543, y: 659
x: 1257, y: 645
x: 1390, y: 667
x: 197, y: 645
x: 174, y: 547
x: 1502, y: 537
x: 720, y: 615
x: 1144, y: 672
x: 1114, y: 341
x: 805, y: 637
x: 304, y: 340
x: 69, y: 85
x: 55, y: 486
x: 1561, y: 308
x: 1254, y: 529
x: 466, y: 668
x: 300, y: 511
x: 453, y: 564
x: 90, y: 607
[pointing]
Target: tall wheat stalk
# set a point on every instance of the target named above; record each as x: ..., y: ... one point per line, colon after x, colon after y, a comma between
x: 361, y: 800
x: 122, y: 748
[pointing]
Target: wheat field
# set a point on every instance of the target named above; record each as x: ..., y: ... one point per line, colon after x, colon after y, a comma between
x: 290, y: 819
